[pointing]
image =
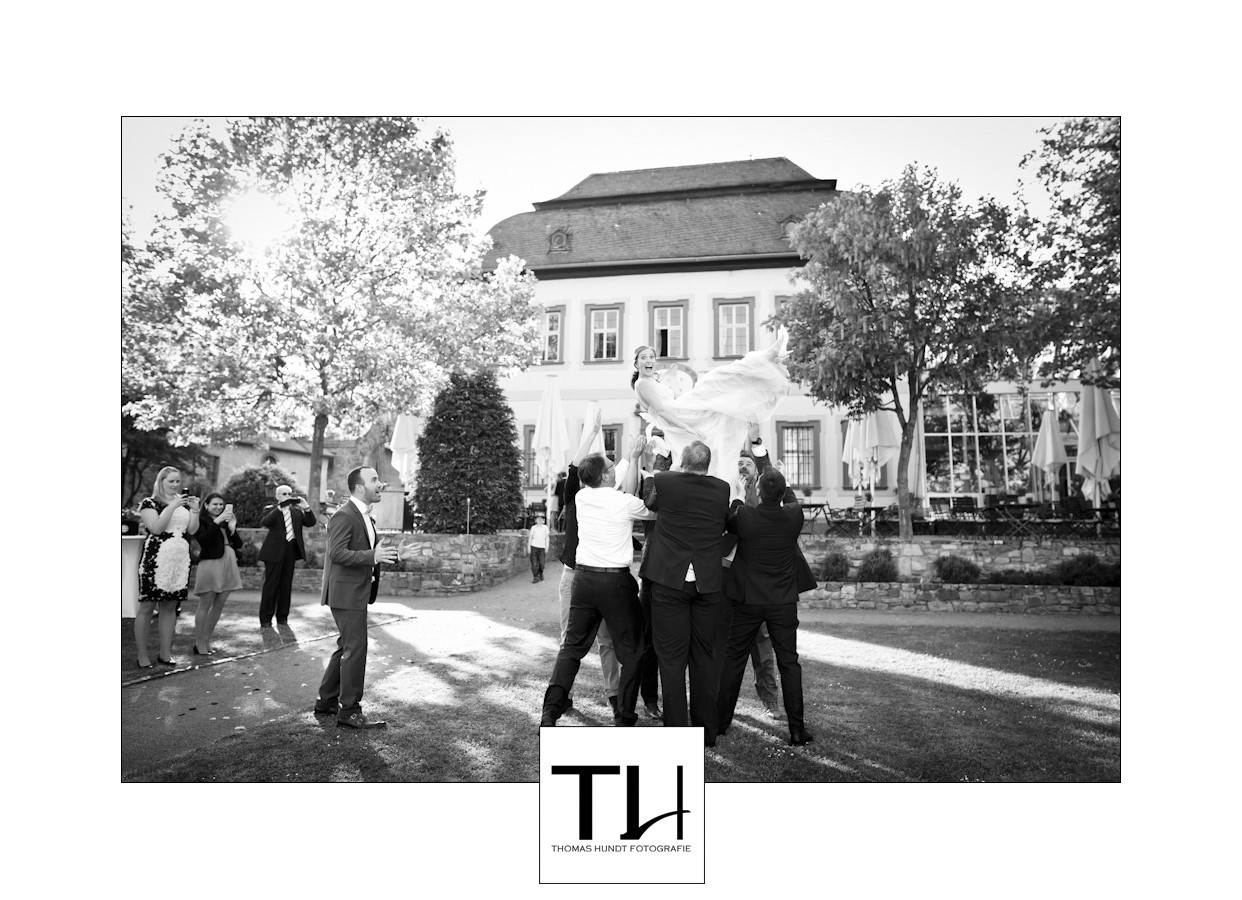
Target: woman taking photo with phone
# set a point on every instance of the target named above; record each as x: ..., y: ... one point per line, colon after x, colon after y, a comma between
x: 164, y: 573
x: 217, y: 575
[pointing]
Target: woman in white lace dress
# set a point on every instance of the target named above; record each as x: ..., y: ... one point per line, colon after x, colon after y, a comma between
x: 164, y: 573
x: 720, y: 406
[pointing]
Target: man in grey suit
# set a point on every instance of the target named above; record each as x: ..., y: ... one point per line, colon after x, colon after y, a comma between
x: 350, y: 584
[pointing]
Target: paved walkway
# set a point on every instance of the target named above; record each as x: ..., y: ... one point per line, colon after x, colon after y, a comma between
x: 266, y: 675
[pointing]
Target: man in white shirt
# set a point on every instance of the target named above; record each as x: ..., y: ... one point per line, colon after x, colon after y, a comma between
x: 537, y: 544
x: 603, y: 588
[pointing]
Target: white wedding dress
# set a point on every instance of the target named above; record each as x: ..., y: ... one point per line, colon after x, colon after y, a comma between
x: 721, y: 404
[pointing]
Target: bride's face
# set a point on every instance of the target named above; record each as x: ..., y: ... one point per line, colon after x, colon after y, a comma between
x: 646, y: 363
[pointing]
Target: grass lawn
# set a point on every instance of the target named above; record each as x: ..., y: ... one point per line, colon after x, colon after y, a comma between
x: 889, y: 697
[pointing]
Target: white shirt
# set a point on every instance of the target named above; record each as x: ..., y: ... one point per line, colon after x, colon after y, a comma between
x: 366, y: 518
x: 604, y: 529
x: 538, y: 536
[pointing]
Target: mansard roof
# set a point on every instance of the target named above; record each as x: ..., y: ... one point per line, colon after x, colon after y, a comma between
x: 709, y: 216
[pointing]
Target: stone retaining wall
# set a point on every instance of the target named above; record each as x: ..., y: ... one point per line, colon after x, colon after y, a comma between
x: 997, y: 598
x: 445, y: 564
x: 458, y: 563
x: 914, y: 559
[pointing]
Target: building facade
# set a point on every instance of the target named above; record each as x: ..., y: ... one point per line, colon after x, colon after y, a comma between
x: 694, y: 261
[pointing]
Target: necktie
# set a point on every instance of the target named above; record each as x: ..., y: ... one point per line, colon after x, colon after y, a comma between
x: 372, y: 535
x: 288, y: 525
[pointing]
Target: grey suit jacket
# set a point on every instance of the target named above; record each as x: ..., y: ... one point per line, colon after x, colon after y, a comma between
x: 350, y: 575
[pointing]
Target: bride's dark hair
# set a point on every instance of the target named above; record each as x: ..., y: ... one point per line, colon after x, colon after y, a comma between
x: 634, y: 377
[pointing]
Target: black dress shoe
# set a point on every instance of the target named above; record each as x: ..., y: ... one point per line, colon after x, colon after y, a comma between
x: 147, y: 666
x: 331, y: 711
x: 165, y: 662
x: 798, y: 738
x: 358, y: 720
x: 653, y: 710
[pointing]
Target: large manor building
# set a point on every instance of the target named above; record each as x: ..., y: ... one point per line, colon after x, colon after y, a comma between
x: 693, y: 261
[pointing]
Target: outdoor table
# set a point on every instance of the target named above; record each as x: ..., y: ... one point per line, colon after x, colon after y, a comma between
x: 131, y: 556
x: 1008, y: 519
x: 818, y: 511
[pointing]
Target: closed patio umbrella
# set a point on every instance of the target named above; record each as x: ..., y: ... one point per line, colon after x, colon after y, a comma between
x: 551, y: 438
x: 1099, y: 441
x: 870, y: 442
x: 1049, y: 446
x: 404, y: 446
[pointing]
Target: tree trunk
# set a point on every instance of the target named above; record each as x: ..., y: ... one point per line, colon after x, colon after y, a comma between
x: 316, y: 460
x: 903, y: 482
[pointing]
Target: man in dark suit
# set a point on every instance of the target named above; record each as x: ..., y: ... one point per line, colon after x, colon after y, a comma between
x: 765, y: 581
x: 683, y: 564
x: 350, y: 584
x: 282, y: 548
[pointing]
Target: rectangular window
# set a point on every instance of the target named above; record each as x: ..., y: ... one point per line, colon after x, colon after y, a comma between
x: 735, y: 326
x: 668, y: 329
x: 797, y: 447
x: 603, y: 324
x: 611, y: 435
x: 530, y: 477
x: 553, y: 328
x: 881, y: 481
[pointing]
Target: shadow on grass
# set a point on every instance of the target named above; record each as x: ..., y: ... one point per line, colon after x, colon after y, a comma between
x: 462, y: 686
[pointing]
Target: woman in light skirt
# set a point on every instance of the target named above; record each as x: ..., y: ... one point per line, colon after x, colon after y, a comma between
x: 218, y: 575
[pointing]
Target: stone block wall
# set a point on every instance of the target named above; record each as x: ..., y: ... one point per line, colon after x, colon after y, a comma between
x: 445, y: 563
x: 987, y: 598
x: 914, y: 559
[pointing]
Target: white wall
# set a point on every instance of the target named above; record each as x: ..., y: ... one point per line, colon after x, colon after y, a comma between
x: 608, y: 384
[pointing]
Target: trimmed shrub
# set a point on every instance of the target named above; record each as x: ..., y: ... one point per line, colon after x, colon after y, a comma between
x: 835, y: 567
x: 249, y: 555
x: 251, y: 489
x: 469, y: 450
x: 1086, y: 570
x: 956, y: 570
x: 1017, y: 577
x: 878, y: 565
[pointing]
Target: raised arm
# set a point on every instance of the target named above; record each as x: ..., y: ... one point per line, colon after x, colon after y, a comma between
x: 630, y: 483
x: 592, y: 433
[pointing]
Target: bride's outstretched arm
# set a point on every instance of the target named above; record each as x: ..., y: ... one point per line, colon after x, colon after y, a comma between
x: 652, y: 400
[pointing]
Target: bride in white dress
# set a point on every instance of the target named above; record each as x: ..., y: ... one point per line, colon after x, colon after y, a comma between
x: 720, y: 406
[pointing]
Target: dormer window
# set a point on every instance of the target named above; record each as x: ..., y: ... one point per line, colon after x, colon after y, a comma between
x: 559, y: 241
x: 787, y: 225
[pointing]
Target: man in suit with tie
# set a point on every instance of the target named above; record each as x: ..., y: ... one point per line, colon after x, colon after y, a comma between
x: 282, y: 548
x: 350, y: 584
x: 683, y: 564
x: 765, y: 580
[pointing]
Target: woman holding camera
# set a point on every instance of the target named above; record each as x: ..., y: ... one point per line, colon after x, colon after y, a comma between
x: 164, y: 572
x: 217, y: 575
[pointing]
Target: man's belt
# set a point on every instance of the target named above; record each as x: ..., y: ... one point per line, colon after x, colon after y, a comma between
x: 580, y: 567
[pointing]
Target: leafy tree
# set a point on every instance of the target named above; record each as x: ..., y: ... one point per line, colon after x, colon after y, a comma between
x: 368, y: 288
x: 469, y: 450
x: 910, y: 289
x: 1079, y: 163
x: 144, y: 453
x: 253, y: 488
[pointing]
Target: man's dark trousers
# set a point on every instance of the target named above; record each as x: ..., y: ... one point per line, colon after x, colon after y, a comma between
x: 782, y: 619
x: 278, y: 586
x: 649, y: 665
x: 345, y: 676
x: 684, y: 625
x: 610, y: 597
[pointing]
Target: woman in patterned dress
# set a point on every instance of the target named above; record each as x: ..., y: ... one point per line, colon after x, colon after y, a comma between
x: 164, y: 573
